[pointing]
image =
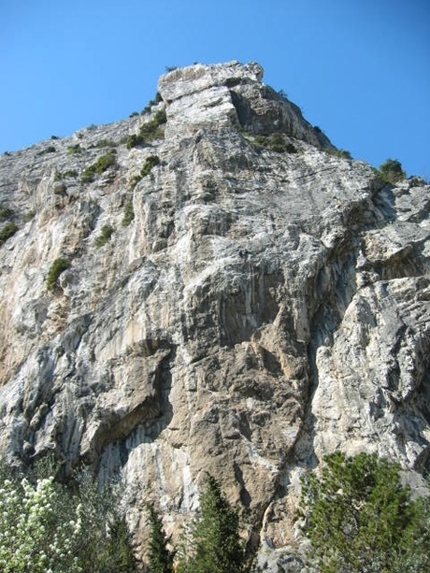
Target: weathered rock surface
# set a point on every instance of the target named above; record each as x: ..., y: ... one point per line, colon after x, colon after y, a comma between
x: 263, y: 308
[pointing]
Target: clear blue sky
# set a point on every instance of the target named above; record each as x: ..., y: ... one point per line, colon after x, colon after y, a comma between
x: 359, y: 69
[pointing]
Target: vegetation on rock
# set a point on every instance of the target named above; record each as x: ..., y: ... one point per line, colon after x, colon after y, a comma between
x: 105, y: 235
x: 69, y: 173
x: 105, y: 143
x: 150, y: 162
x: 7, y: 232
x: 97, y: 168
x: 55, y: 270
x: 157, y: 99
x: 5, y: 212
x: 274, y: 142
x: 391, y: 171
x: 72, y: 149
x: 128, y: 214
x: 49, y: 149
x: 149, y: 131
x: 343, y: 153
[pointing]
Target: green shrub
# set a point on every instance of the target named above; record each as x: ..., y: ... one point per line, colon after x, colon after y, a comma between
x: 74, y: 149
x: 5, y: 212
x: 359, y: 517
x: 7, y: 232
x: 88, y: 175
x: 135, y: 180
x: 391, y: 171
x: 58, y: 176
x: 105, y: 143
x: 343, y: 153
x: 70, y: 173
x: 133, y: 140
x: 32, y: 536
x: 55, y: 270
x: 49, y: 149
x: 278, y: 143
x: 339, y: 153
x: 105, y: 235
x: 275, y: 142
x: 102, y: 164
x: 157, y: 99
x: 150, y: 162
x: 149, y: 131
x: 128, y: 214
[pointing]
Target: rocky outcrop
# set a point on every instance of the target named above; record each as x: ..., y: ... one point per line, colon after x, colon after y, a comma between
x: 242, y: 304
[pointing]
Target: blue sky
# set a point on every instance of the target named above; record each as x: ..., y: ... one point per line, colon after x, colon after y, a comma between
x: 359, y: 69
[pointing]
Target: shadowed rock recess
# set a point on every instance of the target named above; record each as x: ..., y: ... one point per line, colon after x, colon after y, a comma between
x: 238, y: 300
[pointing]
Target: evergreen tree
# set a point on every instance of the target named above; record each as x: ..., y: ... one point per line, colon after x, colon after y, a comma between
x: 105, y: 542
x: 215, y: 544
x: 361, y: 519
x: 160, y: 557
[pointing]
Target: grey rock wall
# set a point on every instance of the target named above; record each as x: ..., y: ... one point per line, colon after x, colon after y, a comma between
x: 263, y: 308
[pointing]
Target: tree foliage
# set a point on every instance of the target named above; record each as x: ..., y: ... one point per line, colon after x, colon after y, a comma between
x: 105, y: 544
x: 360, y: 518
x: 45, y: 528
x: 391, y: 171
x: 160, y: 556
x: 214, y: 544
x: 58, y: 266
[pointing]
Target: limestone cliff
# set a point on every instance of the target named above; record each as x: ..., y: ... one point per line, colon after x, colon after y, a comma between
x: 238, y: 299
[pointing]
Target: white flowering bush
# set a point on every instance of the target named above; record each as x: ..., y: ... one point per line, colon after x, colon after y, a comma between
x: 44, y: 528
x: 32, y: 538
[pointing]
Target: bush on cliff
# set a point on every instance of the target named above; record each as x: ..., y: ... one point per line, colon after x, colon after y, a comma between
x: 391, y: 171
x: 102, y: 164
x: 58, y: 266
x: 7, y: 232
x: 149, y: 131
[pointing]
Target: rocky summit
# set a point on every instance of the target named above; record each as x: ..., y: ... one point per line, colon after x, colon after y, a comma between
x: 212, y: 287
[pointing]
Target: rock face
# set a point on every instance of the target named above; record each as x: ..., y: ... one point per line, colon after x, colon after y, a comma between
x: 242, y: 304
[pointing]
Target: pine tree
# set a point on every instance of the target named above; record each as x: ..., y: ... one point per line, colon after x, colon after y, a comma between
x: 215, y: 545
x: 361, y: 519
x: 160, y: 557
